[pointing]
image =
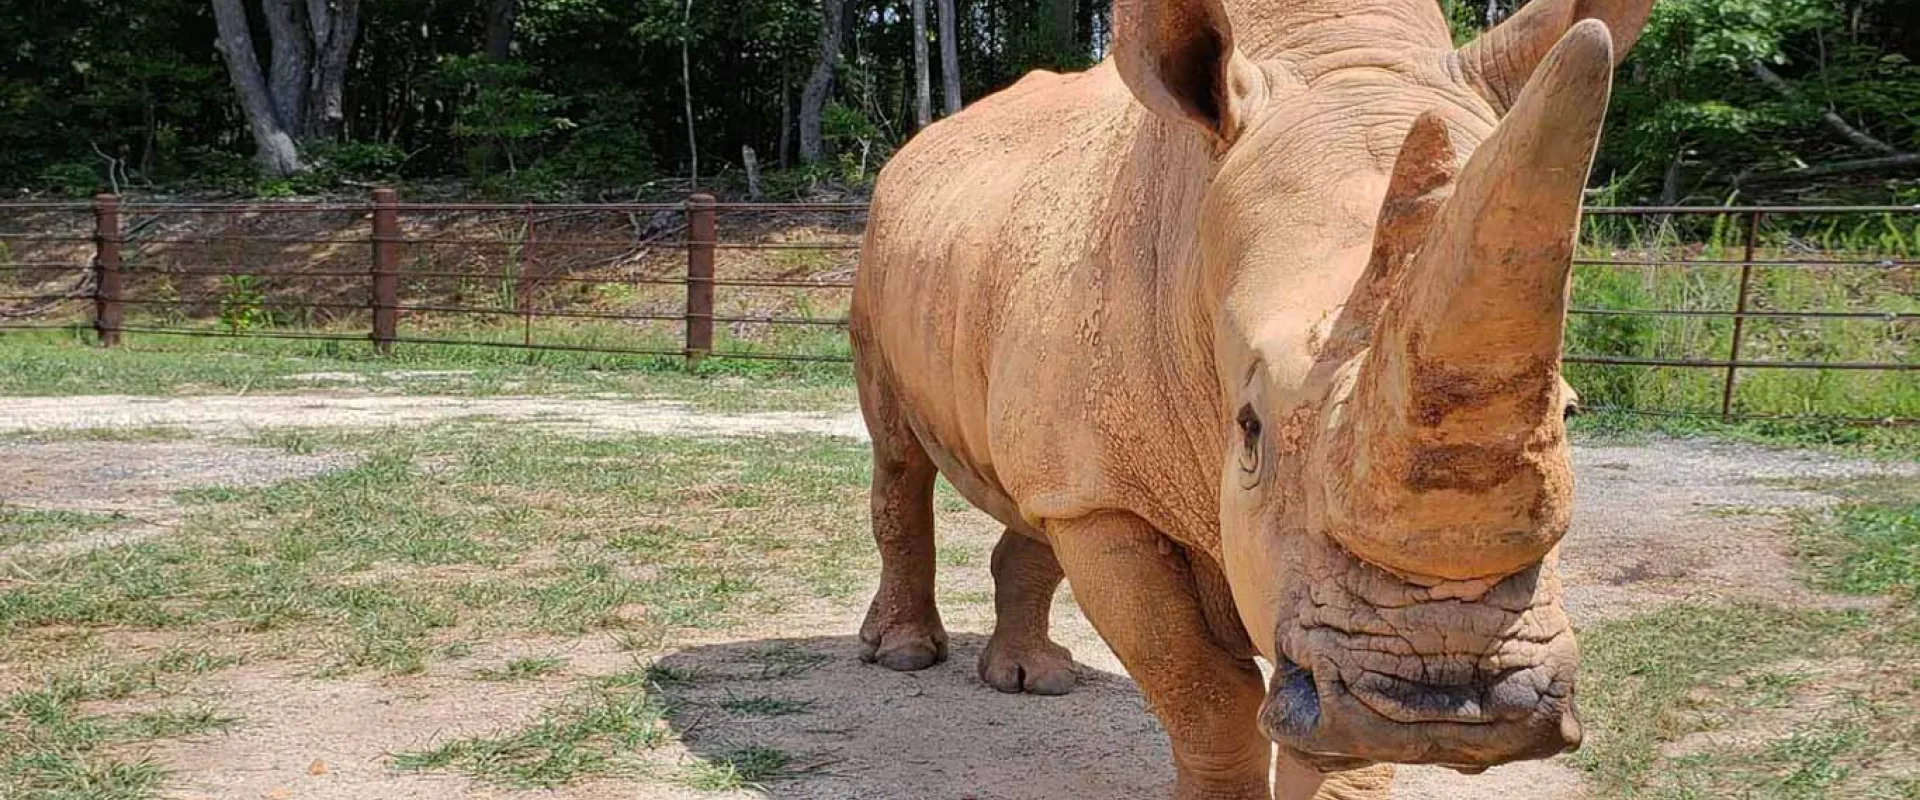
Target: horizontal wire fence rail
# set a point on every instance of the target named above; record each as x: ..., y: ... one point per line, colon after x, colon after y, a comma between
x: 373, y: 242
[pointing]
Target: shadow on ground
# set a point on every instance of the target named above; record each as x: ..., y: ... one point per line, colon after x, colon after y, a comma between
x: 849, y: 729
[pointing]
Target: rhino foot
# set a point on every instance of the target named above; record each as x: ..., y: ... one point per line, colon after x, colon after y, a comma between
x: 905, y: 650
x: 1040, y: 667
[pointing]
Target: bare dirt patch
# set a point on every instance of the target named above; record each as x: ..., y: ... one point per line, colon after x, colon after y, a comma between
x: 237, y: 414
x: 136, y: 480
x: 1671, y: 521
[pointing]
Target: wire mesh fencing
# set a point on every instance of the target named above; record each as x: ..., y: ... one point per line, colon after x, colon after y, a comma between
x: 1733, y: 313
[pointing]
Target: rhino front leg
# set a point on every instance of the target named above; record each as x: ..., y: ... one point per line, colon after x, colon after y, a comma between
x: 1139, y: 593
x: 1021, y: 656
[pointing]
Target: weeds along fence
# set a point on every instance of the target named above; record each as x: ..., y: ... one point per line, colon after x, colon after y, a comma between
x: 1734, y: 313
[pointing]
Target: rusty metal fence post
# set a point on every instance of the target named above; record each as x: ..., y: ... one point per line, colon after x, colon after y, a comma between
x: 385, y: 300
x: 1740, y: 316
x: 701, y: 236
x: 106, y: 269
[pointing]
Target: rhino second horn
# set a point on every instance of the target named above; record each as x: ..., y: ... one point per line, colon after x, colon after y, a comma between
x: 1501, y: 61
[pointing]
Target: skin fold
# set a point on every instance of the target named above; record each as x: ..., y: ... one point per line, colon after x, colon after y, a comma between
x: 1252, y: 333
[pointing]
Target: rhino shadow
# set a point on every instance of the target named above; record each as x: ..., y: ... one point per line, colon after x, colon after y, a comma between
x: 853, y: 730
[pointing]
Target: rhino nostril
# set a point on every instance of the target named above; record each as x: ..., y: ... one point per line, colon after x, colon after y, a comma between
x: 1292, y: 708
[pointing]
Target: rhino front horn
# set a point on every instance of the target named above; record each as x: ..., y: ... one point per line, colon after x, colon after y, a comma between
x: 1463, y: 385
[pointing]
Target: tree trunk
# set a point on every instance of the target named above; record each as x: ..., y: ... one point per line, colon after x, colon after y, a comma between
x: 500, y: 18
x: 1670, y: 182
x: 335, y: 25
x: 686, y: 82
x: 813, y: 99
x: 786, y: 117
x: 752, y: 163
x: 950, y: 56
x: 922, y: 86
x: 289, y: 72
x: 1064, y: 52
x: 276, y: 151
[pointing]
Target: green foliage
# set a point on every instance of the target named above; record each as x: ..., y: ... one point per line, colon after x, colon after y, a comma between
x: 357, y: 161
x: 1691, y: 96
x: 592, y: 99
x: 240, y: 304
x: 70, y: 178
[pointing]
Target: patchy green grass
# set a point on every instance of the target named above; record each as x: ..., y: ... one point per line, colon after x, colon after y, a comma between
x: 1828, y: 695
x: 440, y: 537
x: 522, y: 669
x: 51, y: 748
x: 41, y: 363
x: 523, y: 531
x: 1867, y: 545
x: 747, y: 767
x: 32, y: 526
x: 1869, y: 441
x: 604, y: 730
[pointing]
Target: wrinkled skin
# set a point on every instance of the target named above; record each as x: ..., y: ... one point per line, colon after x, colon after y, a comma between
x: 1252, y: 333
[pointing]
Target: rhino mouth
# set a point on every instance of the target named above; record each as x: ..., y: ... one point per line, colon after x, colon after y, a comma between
x: 1371, y: 668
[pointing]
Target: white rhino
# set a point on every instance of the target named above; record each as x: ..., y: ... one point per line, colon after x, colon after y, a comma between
x: 1253, y: 332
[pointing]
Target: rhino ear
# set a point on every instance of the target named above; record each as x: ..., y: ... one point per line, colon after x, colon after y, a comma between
x: 1178, y: 59
x: 1502, y: 60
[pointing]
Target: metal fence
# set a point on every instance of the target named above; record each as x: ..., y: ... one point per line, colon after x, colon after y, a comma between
x: 362, y: 265
x: 354, y: 275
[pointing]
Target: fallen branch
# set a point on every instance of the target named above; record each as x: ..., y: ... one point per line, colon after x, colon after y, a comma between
x: 1834, y: 122
x: 1896, y: 162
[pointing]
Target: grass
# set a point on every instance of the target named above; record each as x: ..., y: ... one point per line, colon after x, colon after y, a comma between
x: 383, y: 560
x: 1705, y: 288
x: 608, y: 728
x: 1865, y: 546
x: 1851, y: 717
x: 522, y: 669
x: 51, y: 748
x: 384, y: 567
x: 601, y: 731
x: 740, y: 768
x: 20, y: 526
x: 1870, y: 441
x: 58, y: 363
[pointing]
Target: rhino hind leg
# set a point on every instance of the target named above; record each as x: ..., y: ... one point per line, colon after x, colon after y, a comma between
x: 902, y: 631
x: 1020, y: 657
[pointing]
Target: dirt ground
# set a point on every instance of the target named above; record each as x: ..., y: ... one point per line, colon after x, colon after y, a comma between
x: 1655, y: 523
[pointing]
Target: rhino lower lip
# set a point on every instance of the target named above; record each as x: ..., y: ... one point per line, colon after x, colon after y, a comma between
x: 1296, y: 700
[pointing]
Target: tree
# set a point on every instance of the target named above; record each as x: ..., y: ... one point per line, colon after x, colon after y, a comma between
x: 301, y: 96
x: 813, y: 98
x: 949, y: 57
x: 922, y: 87
x: 500, y: 18
x: 271, y: 134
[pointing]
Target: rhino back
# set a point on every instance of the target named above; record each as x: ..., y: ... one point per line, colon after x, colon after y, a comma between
x: 1026, y: 288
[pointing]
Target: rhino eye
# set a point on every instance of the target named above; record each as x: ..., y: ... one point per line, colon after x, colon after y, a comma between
x: 1249, y: 440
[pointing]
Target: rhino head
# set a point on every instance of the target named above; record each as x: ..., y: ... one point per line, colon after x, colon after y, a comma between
x: 1390, y: 222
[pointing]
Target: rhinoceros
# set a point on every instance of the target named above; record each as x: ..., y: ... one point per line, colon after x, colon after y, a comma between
x: 1252, y: 332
